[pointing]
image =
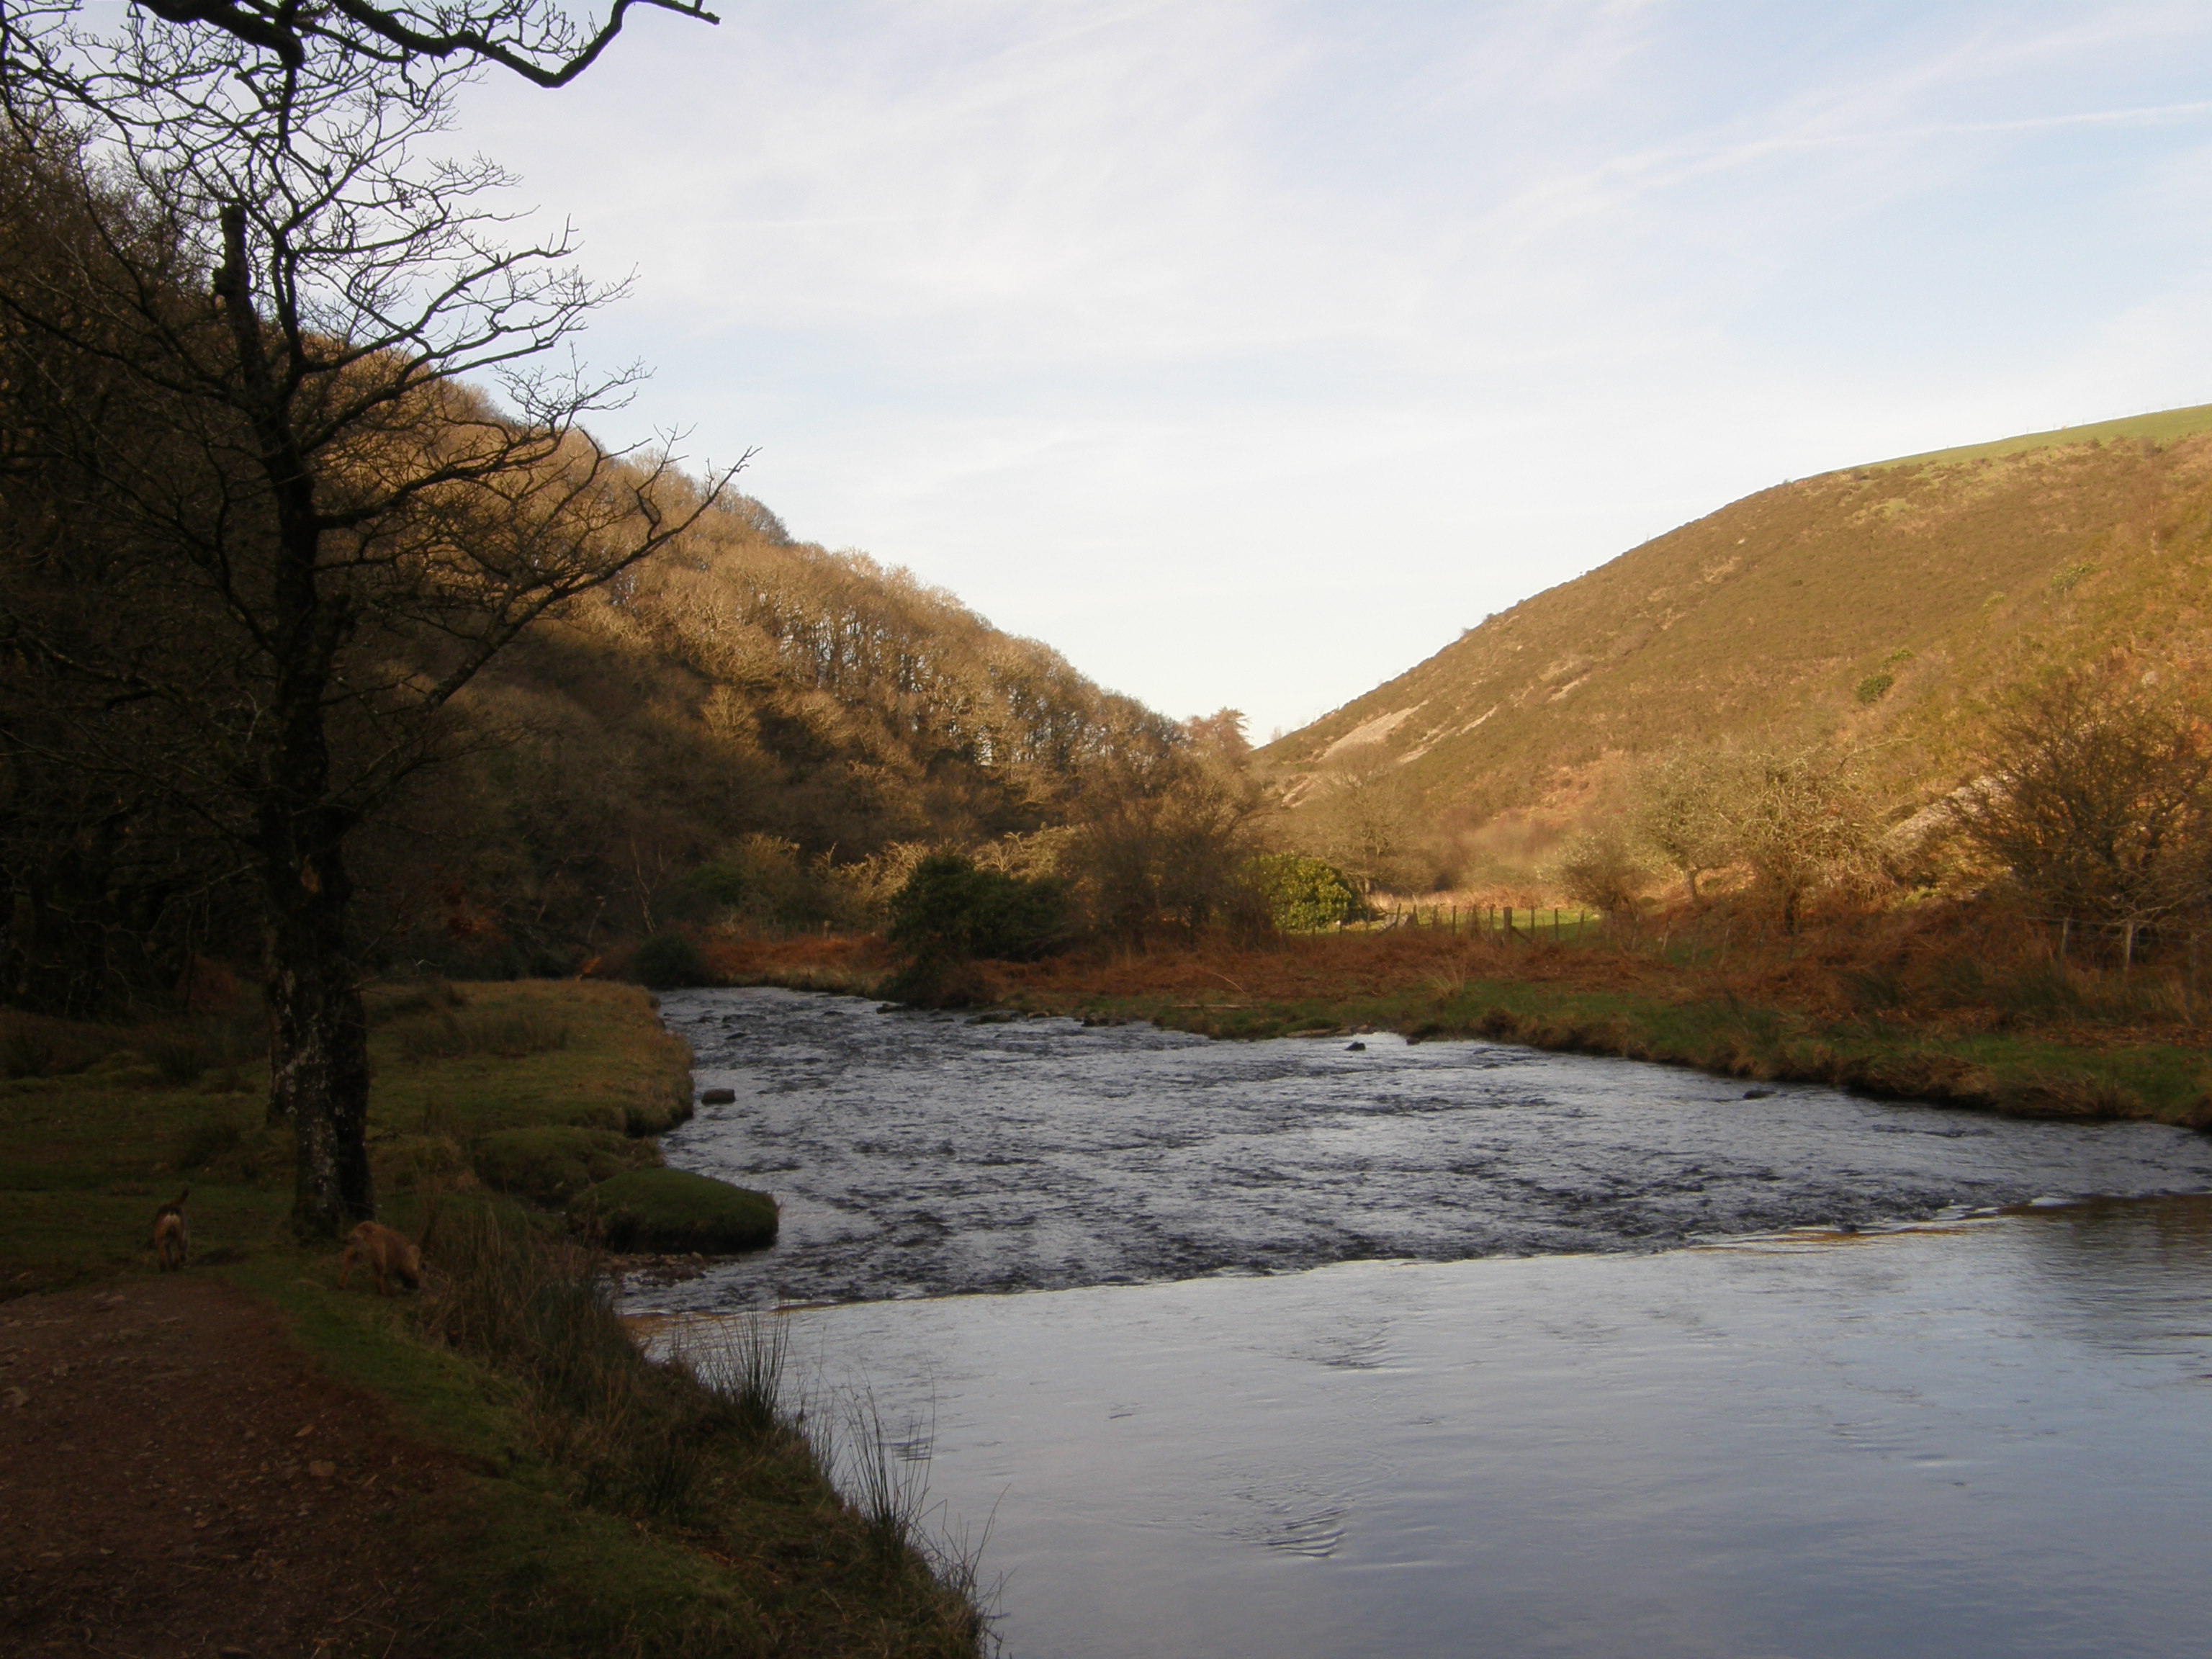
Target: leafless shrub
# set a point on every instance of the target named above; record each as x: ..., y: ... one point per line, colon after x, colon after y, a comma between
x: 2100, y: 806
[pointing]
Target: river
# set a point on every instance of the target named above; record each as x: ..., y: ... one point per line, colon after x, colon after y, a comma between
x: 1458, y: 1348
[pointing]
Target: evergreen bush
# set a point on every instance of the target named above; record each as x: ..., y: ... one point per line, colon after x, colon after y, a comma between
x: 1305, y: 895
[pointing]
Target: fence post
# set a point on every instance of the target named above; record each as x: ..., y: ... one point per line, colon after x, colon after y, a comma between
x: 2127, y: 953
x: 2065, y: 927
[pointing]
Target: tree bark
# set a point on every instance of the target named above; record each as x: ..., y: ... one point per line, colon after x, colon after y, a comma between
x: 318, y: 1033
x: 319, y: 1045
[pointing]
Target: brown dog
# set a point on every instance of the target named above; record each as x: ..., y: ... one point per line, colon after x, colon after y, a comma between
x: 390, y: 1255
x: 173, y: 1236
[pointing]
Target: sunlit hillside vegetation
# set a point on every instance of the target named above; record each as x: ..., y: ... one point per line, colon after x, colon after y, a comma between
x: 752, y: 707
x: 748, y: 727
x: 1879, y: 615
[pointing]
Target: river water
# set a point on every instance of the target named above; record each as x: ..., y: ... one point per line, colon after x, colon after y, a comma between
x: 1585, y: 1363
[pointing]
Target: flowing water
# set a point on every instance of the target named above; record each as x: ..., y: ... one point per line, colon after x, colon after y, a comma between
x: 1506, y: 1416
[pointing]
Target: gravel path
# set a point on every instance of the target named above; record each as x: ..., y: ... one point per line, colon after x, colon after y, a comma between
x: 177, y: 1479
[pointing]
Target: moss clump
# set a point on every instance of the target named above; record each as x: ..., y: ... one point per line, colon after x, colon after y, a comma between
x: 675, y: 1210
x: 551, y: 1163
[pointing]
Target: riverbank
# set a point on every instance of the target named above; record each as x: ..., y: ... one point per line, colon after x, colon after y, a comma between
x: 462, y: 1483
x: 2045, y: 1042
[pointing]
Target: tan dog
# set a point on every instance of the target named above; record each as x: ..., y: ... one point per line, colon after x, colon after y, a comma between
x: 172, y: 1235
x: 390, y: 1255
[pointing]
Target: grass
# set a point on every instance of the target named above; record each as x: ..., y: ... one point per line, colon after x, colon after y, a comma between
x: 607, y: 1504
x: 599, y: 1504
x: 675, y: 1210
x: 2162, y: 426
x: 99, y: 1131
x: 550, y: 1163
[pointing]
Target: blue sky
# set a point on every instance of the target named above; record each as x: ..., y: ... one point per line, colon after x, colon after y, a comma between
x: 1247, y: 352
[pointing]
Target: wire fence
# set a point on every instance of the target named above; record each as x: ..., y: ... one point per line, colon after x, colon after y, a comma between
x: 1504, y: 921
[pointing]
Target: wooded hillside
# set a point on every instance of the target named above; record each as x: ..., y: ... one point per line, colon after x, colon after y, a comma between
x: 750, y: 705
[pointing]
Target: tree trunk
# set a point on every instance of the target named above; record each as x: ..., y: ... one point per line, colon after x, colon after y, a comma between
x: 318, y: 1034
x: 318, y: 1046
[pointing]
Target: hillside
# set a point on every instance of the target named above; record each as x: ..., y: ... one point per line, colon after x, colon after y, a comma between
x: 749, y: 724
x: 1880, y: 607
x: 750, y: 705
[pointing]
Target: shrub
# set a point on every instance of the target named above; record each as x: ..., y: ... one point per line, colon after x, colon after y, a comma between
x: 1305, y: 895
x: 386, y: 1003
x: 761, y: 880
x: 25, y: 1054
x: 206, y: 1141
x: 178, y: 1059
x: 667, y: 962
x: 949, y: 910
x: 675, y: 1210
x: 1601, y: 871
x: 2101, y: 806
x: 1874, y: 687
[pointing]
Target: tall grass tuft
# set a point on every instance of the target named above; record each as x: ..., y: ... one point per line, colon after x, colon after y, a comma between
x: 886, y: 1476
x: 635, y: 1435
x: 745, y: 1361
x: 510, y: 1035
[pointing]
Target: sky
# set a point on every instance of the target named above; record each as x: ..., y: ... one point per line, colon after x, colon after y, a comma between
x: 1247, y: 352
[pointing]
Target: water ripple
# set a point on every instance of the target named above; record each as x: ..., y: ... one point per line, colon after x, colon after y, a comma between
x: 923, y: 1155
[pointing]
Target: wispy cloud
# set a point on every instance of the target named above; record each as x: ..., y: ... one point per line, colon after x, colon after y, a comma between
x: 1348, y: 323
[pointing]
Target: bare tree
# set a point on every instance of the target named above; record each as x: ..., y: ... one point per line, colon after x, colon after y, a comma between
x: 2098, y: 800
x: 1602, y: 870
x: 1167, y: 849
x: 541, y: 41
x: 1802, y: 826
x: 1685, y: 812
x: 354, y: 466
x: 1361, y: 817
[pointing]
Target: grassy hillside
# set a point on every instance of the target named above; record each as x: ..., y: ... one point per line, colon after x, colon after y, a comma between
x: 1879, y: 608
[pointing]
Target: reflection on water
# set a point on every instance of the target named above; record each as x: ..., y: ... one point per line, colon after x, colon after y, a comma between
x: 926, y: 1154
x: 1987, y: 1436
x: 1993, y: 1437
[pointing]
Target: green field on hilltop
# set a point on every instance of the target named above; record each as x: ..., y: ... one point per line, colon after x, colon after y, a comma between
x: 2163, y: 427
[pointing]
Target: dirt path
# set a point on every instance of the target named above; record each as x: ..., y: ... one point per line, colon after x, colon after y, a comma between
x: 176, y: 1479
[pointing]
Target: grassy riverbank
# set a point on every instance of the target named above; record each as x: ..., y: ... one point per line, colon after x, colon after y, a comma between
x: 1880, y: 1004
x: 588, y: 1502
